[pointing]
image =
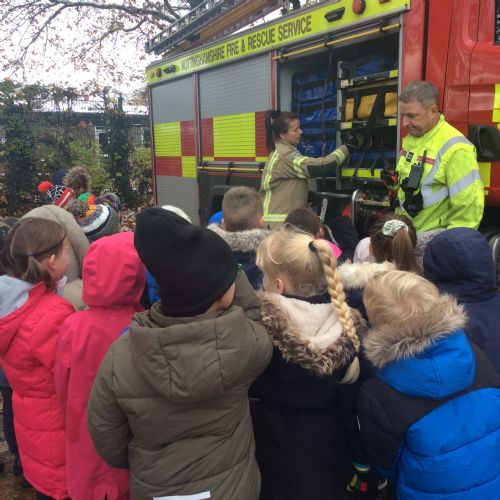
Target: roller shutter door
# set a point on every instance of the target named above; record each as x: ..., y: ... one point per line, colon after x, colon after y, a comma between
x: 233, y: 100
x: 174, y: 145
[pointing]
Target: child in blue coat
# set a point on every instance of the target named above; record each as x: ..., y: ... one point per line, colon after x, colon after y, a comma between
x: 430, y: 416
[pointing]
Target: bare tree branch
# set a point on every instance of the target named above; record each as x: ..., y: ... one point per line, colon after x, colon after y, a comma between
x: 136, y: 27
x: 116, y: 7
x: 103, y: 39
x: 36, y: 33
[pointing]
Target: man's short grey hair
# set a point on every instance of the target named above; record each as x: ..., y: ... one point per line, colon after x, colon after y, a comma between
x: 420, y: 91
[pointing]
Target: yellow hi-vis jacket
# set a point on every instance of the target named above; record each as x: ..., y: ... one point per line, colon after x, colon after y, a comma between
x: 284, y: 180
x: 451, y: 186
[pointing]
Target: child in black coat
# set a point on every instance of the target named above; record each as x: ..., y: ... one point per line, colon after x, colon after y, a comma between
x: 301, y: 443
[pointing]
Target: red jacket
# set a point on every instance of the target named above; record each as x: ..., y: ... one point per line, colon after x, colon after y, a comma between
x: 113, y: 281
x: 28, y: 337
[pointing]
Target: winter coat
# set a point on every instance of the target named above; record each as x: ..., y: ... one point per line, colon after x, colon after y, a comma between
x: 244, y: 245
x: 30, y: 320
x: 151, y: 290
x: 170, y: 401
x: 459, y: 261
x: 355, y: 277
x: 430, y: 418
x: 78, y: 248
x: 301, y: 445
x: 112, y: 299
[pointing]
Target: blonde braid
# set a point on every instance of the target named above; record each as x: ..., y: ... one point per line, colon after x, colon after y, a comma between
x: 336, y: 292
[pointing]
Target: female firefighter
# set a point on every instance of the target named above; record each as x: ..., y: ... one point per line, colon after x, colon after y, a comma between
x: 284, y: 179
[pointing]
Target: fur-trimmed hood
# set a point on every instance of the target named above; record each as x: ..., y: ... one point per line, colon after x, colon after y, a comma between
x: 309, y: 335
x: 357, y: 276
x: 384, y: 344
x: 241, y: 241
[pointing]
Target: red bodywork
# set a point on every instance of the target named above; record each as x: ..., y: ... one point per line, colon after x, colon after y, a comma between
x: 451, y: 43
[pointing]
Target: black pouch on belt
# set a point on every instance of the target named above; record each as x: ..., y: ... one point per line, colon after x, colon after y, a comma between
x: 413, y: 204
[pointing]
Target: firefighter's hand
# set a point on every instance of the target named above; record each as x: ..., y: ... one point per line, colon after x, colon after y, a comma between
x: 344, y: 150
x: 389, y: 176
x: 356, y: 141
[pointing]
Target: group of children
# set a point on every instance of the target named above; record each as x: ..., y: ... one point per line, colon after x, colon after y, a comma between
x: 333, y: 375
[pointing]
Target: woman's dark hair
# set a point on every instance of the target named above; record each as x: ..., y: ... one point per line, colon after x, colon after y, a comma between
x: 277, y: 122
x: 399, y: 247
x: 304, y: 219
x: 28, y: 243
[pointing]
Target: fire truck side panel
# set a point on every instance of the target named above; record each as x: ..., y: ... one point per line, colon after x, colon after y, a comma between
x: 233, y: 100
x: 484, y: 104
x: 208, y: 127
x: 438, y: 33
x: 413, y: 43
x: 175, y: 145
x: 461, y: 40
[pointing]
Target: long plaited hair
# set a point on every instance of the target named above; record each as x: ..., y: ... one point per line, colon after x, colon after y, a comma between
x: 309, y: 268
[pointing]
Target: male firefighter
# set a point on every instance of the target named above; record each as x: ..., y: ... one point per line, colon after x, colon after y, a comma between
x: 438, y: 181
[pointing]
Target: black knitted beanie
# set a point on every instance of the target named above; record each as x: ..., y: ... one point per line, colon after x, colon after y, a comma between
x: 193, y: 266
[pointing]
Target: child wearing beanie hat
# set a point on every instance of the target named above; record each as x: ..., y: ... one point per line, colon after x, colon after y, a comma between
x: 170, y: 400
x: 179, y: 255
x: 95, y: 219
x: 60, y: 196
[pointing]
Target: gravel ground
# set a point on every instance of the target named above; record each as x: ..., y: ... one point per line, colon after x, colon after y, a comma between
x: 128, y: 220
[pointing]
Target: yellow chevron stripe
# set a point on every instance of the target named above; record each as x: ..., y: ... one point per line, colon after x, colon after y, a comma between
x: 234, y: 135
x: 168, y: 139
x: 267, y: 182
x: 297, y: 166
x: 496, y: 100
x: 275, y: 217
x: 189, y: 166
x: 485, y: 172
x: 362, y: 172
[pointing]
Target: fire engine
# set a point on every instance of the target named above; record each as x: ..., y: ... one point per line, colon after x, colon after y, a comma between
x: 340, y: 64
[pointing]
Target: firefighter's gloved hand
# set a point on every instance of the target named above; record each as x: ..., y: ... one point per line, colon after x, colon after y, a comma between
x: 389, y: 177
x: 356, y: 141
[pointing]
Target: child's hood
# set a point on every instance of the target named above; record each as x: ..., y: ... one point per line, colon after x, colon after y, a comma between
x: 14, y: 294
x: 77, y: 239
x: 194, y: 359
x: 113, y: 275
x: 241, y: 241
x: 460, y: 262
x: 357, y: 276
x: 309, y: 335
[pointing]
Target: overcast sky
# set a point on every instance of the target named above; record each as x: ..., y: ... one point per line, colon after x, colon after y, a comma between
x: 52, y: 68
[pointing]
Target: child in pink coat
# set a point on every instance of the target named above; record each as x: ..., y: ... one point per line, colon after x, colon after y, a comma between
x: 32, y: 263
x: 113, y: 281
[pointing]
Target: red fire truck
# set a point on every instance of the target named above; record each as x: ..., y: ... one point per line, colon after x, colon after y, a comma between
x: 208, y: 102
